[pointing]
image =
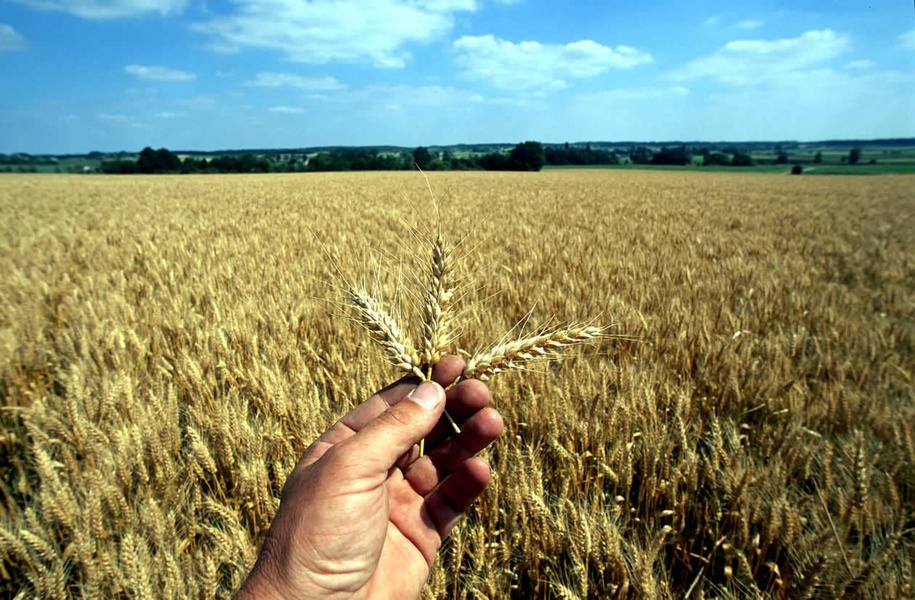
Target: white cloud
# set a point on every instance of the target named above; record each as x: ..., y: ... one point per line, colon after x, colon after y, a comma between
x: 860, y: 65
x: 532, y: 65
x: 166, y: 115
x: 323, y: 31
x: 153, y: 73
x: 302, y: 82
x: 907, y: 40
x: 712, y: 21
x: 752, y: 62
x: 287, y: 110
x: 749, y: 24
x: 10, y: 39
x: 109, y: 9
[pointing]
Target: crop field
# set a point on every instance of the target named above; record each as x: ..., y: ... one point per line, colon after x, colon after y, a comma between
x: 169, y: 345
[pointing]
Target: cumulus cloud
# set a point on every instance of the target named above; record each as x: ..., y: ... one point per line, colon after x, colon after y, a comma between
x: 109, y: 9
x: 10, y: 39
x: 751, y: 62
x: 153, y: 73
x: 302, y: 82
x: 323, y: 31
x: 532, y: 65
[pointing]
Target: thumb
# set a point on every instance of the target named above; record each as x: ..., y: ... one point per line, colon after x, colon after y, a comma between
x: 380, y: 443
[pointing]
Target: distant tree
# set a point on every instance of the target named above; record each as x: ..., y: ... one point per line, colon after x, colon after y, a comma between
x: 157, y: 161
x: 782, y: 158
x: 422, y: 157
x: 741, y: 160
x: 493, y: 161
x: 556, y: 156
x: 854, y: 156
x: 818, y: 158
x: 147, y: 162
x: 672, y: 156
x: 716, y: 159
x: 168, y: 162
x: 640, y: 155
x: 797, y: 170
x: 526, y: 156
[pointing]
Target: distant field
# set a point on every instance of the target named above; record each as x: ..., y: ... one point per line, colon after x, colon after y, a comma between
x: 170, y: 344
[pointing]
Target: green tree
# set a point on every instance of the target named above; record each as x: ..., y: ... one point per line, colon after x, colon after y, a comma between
x: 818, y: 158
x: 493, y: 161
x: 422, y: 157
x: 716, y: 159
x: 526, y: 156
x: 640, y: 155
x: 157, y: 161
x: 741, y: 160
x: 672, y: 156
x: 854, y: 156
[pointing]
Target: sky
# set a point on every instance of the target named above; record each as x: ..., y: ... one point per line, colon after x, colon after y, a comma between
x: 111, y: 75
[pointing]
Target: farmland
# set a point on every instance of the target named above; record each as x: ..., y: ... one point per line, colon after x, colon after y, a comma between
x: 170, y: 344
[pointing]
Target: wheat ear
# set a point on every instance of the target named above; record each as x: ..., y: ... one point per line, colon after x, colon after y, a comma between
x: 437, y: 318
x: 398, y: 348
x: 515, y: 355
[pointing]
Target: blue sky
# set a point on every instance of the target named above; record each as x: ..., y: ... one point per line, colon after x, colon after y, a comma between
x: 82, y: 75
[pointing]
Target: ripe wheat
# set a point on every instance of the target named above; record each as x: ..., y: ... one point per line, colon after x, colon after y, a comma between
x: 167, y: 352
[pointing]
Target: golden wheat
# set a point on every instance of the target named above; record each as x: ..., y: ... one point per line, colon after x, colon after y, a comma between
x: 168, y: 349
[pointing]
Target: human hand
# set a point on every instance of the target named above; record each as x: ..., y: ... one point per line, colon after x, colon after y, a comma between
x: 361, y: 514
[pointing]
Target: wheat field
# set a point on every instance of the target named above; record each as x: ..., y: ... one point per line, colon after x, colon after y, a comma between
x: 170, y: 345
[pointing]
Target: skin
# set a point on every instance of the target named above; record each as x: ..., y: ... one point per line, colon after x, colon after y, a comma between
x: 361, y: 514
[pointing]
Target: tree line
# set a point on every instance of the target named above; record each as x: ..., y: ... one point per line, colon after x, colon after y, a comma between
x: 525, y: 156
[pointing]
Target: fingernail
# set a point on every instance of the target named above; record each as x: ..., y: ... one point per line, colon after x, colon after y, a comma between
x: 428, y: 395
